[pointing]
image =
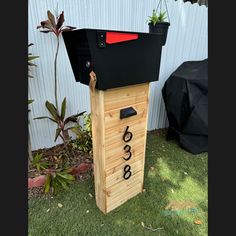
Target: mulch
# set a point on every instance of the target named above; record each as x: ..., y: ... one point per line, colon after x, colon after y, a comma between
x: 58, y: 156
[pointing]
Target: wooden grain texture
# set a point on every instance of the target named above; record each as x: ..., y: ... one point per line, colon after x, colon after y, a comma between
x: 112, y: 117
x: 125, y: 96
x: 115, y: 175
x: 98, y: 132
x: 111, y: 188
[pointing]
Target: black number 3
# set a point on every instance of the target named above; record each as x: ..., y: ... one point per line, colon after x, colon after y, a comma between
x: 127, y: 149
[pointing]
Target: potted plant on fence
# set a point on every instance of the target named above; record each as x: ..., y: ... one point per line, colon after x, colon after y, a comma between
x: 157, y: 22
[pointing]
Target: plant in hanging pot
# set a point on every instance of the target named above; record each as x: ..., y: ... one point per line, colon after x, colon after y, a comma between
x: 158, y: 25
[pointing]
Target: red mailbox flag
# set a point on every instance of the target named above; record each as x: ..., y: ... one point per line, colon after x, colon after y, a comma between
x: 114, y: 37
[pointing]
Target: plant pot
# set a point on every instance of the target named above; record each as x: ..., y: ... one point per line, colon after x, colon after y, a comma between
x: 160, y: 29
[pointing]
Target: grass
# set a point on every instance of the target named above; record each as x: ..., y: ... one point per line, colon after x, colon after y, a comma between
x: 171, y: 174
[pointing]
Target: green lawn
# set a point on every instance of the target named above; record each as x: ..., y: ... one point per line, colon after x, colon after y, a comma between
x: 171, y: 174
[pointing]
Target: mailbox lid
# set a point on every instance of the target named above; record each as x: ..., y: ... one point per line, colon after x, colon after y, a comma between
x: 119, y: 58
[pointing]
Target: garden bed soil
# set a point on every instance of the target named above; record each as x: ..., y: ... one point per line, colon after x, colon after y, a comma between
x: 81, y: 162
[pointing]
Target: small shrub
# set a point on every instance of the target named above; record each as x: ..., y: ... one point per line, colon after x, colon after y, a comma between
x: 38, y: 163
x: 83, y: 141
x: 57, y: 180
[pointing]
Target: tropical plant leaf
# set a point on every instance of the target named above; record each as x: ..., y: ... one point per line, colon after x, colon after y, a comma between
x: 47, y: 183
x: 45, y: 24
x: 68, y: 171
x: 73, y: 118
x: 45, y: 117
x: 70, y: 119
x: 52, y: 109
x: 70, y: 27
x: 67, y: 28
x: 54, y: 186
x: 76, y: 130
x: 63, y: 109
x: 62, y: 182
x: 31, y: 64
x: 30, y: 101
x: 58, y: 131
x: 46, y: 31
x: 66, y: 176
x: 30, y: 58
x: 60, y: 21
x: 51, y: 17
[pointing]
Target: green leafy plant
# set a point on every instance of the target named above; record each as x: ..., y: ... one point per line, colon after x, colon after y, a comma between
x: 29, y: 142
x: 29, y: 102
x: 60, y: 120
x: 157, y: 18
x: 55, y: 25
x: 30, y: 59
x: 83, y: 141
x: 38, y: 163
x: 30, y: 64
x: 30, y: 155
x: 57, y: 180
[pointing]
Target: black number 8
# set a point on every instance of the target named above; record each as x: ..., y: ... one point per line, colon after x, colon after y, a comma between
x: 127, y: 149
x: 127, y: 135
x: 127, y: 172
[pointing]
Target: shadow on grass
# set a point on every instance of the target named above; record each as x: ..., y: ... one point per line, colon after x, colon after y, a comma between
x: 179, y: 161
x: 182, y: 166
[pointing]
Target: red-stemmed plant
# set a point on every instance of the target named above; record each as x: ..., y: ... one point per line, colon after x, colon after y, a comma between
x: 55, y: 25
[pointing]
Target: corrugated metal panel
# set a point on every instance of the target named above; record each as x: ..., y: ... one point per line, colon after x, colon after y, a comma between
x: 200, y: 2
x: 187, y: 40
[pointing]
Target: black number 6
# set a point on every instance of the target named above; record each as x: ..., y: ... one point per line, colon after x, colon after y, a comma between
x: 127, y: 135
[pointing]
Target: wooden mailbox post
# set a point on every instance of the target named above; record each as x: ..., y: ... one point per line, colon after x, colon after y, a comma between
x: 118, y: 67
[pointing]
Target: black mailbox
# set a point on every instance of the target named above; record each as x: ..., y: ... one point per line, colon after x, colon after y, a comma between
x: 119, y: 58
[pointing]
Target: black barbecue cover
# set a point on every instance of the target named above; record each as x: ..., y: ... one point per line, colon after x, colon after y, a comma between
x: 185, y: 94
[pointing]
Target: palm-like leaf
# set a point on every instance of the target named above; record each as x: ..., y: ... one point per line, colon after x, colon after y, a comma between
x: 47, y: 183
x: 31, y: 58
x: 54, y: 25
x: 45, y: 117
x: 30, y: 101
x: 73, y: 118
x: 60, y: 21
x: 51, y: 18
x: 52, y: 109
x: 63, y: 109
x: 58, y: 131
x: 66, y: 176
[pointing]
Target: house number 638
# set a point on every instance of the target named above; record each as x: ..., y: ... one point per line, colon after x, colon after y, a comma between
x: 127, y: 137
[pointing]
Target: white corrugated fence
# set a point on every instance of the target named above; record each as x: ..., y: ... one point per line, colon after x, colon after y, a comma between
x: 187, y: 40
